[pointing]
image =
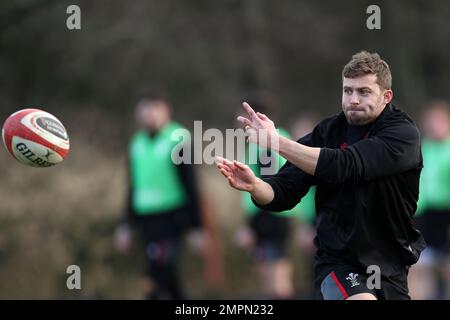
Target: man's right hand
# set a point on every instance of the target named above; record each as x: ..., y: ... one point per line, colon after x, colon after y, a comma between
x: 241, y: 177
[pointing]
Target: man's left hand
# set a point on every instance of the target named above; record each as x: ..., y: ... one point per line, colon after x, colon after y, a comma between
x: 260, y: 128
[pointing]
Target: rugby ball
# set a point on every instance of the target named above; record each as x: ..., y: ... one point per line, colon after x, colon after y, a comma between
x: 35, y: 138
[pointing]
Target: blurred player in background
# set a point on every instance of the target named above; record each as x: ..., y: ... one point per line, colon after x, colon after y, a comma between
x: 433, y: 217
x: 305, y: 211
x: 162, y: 199
x: 266, y: 234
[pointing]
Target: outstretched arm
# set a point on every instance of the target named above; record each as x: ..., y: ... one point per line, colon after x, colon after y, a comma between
x: 394, y: 149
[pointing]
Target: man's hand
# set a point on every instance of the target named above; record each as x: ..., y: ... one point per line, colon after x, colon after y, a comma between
x: 260, y: 128
x: 122, y: 241
x: 262, y: 131
x: 244, y: 237
x: 239, y: 176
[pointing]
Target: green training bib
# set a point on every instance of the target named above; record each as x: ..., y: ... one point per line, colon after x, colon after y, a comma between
x: 154, y: 177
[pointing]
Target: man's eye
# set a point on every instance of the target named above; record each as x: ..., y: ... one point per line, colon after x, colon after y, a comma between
x: 364, y: 92
x: 347, y: 91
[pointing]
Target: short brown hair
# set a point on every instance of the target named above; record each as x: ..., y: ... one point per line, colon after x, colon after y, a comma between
x: 363, y: 63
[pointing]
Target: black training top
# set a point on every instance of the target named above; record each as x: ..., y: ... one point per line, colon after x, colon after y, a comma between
x: 367, y: 188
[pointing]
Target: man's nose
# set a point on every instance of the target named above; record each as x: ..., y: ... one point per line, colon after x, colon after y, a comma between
x: 354, y: 99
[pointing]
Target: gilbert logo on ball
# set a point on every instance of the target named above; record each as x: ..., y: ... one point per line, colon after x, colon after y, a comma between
x: 35, y: 138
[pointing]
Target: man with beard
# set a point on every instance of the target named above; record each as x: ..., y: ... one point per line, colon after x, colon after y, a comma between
x: 365, y: 163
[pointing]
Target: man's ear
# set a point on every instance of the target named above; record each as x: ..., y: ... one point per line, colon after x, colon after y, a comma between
x: 388, y: 96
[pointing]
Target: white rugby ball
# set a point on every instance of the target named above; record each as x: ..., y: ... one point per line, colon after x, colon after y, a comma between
x: 35, y: 138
